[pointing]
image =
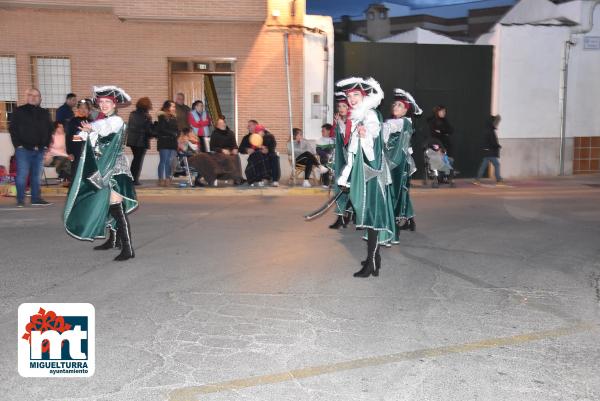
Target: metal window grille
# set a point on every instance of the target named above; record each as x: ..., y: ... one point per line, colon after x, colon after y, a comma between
x: 52, y: 76
x: 8, y: 89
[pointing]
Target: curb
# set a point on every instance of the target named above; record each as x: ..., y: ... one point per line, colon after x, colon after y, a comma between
x: 587, y: 182
x: 191, y: 192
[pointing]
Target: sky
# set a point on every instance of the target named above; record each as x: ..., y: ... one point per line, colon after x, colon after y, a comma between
x: 337, y: 8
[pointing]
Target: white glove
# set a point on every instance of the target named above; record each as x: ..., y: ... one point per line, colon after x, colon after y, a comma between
x: 83, y: 135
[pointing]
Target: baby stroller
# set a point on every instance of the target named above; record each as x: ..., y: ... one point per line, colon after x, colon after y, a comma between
x: 439, y: 167
x: 182, y: 167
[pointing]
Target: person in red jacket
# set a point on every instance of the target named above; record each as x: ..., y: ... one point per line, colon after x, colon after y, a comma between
x: 200, y: 123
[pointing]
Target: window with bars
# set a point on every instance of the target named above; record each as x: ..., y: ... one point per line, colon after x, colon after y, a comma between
x: 8, y: 89
x: 52, y: 76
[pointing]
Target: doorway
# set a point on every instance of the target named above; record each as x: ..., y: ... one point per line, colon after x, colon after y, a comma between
x: 212, y: 81
x: 191, y: 85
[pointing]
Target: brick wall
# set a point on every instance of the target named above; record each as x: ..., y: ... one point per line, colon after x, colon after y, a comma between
x: 134, y: 54
x: 205, y: 9
x: 586, y: 159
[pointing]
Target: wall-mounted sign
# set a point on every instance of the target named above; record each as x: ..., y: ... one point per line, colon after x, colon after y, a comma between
x: 591, y: 42
x: 201, y: 66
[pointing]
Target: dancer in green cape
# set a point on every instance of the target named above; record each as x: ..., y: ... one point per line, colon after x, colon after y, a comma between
x: 342, y: 127
x: 102, y: 193
x: 397, y: 134
x: 366, y: 176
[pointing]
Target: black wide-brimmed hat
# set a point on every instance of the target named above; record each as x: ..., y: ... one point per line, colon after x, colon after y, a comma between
x: 119, y: 96
x: 401, y: 94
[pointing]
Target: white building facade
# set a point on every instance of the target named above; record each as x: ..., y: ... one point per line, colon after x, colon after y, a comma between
x: 550, y: 125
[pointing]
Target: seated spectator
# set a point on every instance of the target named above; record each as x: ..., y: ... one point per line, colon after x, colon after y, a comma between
x: 223, y: 161
x: 438, y: 159
x: 57, y: 155
x: 187, y: 146
x: 263, y: 162
x: 325, y: 147
x: 304, y: 154
x: 245, y: 147
x: 188, y: 143
x: 200, y: 123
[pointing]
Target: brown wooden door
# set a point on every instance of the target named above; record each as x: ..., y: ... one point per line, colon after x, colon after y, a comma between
x: 191, y: 85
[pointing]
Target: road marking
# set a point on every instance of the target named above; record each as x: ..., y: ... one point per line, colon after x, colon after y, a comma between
x: 191, y: 393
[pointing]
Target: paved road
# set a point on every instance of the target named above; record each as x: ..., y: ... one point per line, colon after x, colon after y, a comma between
x: 495, y: 297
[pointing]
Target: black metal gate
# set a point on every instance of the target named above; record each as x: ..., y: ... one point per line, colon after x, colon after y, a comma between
x: 457, y: 76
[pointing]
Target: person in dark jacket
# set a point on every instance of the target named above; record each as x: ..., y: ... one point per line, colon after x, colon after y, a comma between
x: 139, y: 131
x: 491, y: 149
x: 182, y: 112
x: 224, y: 146
x: 269, y: 148
x: 245, y: 147
x: 82, y: 114
x: 263, y: 162
x: 30, y: 132
x: 64, y: 113
x: 167, y: 133
x: 440, y: 128
x: 223, y: 161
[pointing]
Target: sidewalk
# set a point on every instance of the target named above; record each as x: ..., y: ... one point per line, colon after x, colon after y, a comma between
x: 149, y: 188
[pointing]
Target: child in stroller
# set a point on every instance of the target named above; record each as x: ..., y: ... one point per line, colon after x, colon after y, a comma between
x: 438, y: 166
x: 187, y: 146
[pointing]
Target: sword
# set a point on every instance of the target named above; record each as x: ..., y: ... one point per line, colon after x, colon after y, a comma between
x: 320, y: 211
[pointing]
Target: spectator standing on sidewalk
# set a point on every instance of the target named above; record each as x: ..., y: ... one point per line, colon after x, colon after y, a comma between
x: 82, y: 114
x: 200, y: 122
x: 139, y: 131
x: 491, y: 150
x: 440, y: 128
x: 167, y: 133
x: 30, y: 131
x: 64, y: 113
x: 183, y: 111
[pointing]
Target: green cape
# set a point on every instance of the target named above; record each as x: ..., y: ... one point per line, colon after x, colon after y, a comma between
x: 399, y: 160
x: 86, y: 214
x: 370, y: 194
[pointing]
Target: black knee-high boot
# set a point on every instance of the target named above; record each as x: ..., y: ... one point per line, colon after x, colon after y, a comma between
x: 377, y: 262
x: 113, y: 241
x: 123, y: 232
x: 338, y: 223
x: 372, y: 247
x: 409, y: 224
